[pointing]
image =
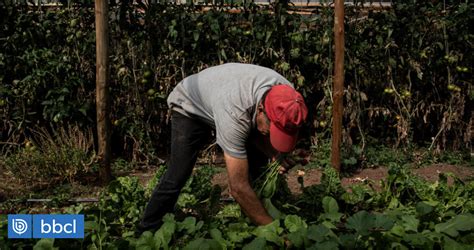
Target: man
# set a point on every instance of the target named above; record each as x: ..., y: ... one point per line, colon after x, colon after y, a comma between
x: 256, y: 114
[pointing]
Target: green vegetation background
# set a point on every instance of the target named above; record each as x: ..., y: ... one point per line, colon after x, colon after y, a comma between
x: 408, y: 69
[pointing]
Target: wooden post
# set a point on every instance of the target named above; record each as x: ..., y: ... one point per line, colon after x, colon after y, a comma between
x: 102, y: 89
x: 338, y: 86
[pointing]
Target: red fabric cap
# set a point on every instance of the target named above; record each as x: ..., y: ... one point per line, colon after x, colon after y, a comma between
x: 286, y: 111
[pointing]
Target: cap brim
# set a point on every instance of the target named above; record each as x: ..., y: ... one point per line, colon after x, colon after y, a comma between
x: 282, y: 141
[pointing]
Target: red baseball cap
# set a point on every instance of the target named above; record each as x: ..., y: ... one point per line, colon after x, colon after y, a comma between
x: 286, y: 111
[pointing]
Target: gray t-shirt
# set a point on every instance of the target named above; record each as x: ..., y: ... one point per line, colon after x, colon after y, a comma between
x: 226, y: 97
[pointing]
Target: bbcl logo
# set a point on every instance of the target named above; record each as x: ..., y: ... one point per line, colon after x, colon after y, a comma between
x: 57, y: 228
x: 45, y: 226
x: 20, y: 226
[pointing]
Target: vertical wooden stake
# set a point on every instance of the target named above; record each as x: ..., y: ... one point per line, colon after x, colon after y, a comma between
x: 338, y: 87
x: 102, y: 89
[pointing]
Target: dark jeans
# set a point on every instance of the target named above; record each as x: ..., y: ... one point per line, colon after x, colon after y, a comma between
x: 188, y: 136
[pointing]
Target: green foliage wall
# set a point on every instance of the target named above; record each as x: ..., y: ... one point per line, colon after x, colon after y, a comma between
x: 408, y: 68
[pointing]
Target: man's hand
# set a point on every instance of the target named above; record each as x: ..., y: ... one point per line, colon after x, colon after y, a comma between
x: 238, y: 174
x: 288, y: 161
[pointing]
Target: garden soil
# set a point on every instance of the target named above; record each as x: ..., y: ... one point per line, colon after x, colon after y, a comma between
x: 313, y: 176
x: 310, y: 177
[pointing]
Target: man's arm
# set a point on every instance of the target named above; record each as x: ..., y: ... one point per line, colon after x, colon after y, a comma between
x: 238, y: 174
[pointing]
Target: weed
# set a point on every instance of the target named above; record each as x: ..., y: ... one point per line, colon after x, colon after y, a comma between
x: 122, y: 204
x: 51, y: 157
x: 382, y: 155
x: 321, y: 154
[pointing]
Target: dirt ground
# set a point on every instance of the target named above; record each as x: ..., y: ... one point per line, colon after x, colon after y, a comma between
x: 311, y: 177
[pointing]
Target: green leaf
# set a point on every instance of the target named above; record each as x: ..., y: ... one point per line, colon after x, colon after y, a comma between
x: 348, y: 241
x: 44, y: 244
x: 203, y: 244
x: 230, y: 211
x: 146, y: 241
x: 418, y: 240
x: 215, y: 27
x: 92, y: 246
x: 293, y: 223
x: 410, y: 223
x: 318, y: 233
x: 330, y: 205
x: 272, y: 210
x: 328, y: 224
x: 454, y: 245
x: 216, y: 234
x: 349, y: 161
x: 168, y: 218
x: 238, y: 232
x: 433, y: 236
x: 223, y: 54
x: 423, y: 208
x: 463, y: 222
x: 299, y: 237
x: 268, y: 35
x: 186, y: 200
x: 271, y: 232
x: 361, y: 222
x: 83, y: 111
x: 379, y: 40
x: 188, y: 224
x: 392, y: 62
x: 394, y: 203
x: 128, y: 234
x: 331, y: 209
x: 398, y: 246
x: 196, y: 35
x: 256, y: 244
x: 332, y: 217
x: 383, y: 221
x: 327, y: 245
x: 398, y: 230
x: 91, y: 226
x: 164, y: 235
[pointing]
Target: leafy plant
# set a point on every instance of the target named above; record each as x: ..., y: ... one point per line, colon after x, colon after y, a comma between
x: 266, y: 183
x: 121, y: 206
x: 407, y: 212
x: 312, y: 196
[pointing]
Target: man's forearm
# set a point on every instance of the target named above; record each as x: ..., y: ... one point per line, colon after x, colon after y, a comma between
x: 251, y: 205
x: 237, y: 171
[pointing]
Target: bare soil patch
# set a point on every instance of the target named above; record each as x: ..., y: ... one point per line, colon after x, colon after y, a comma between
x: 431, y: 173
x: 313, y: 176
x: 9, y: 189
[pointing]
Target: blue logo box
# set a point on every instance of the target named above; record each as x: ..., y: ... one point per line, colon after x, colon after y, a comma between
x: 66, y: 226
x: 19, y: 226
